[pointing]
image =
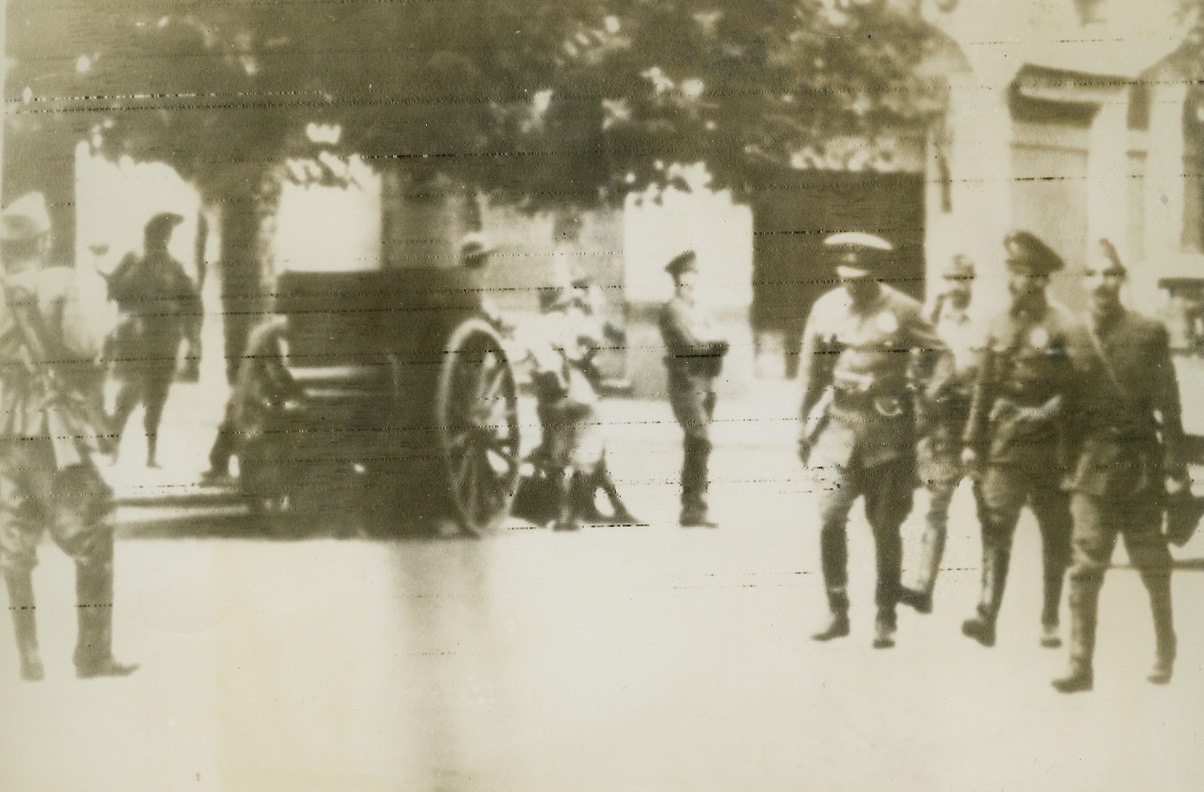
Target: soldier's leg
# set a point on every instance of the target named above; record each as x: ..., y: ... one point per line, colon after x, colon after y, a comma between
x: 129, y: 394
x: 1003, y: 495
x: 888, y: 490
x: 24, y: 491
x: 1094, y: 539
x: 158, y: 385
x: 83, y: 528
x: 224, y: 447
x: 692, y: 406
x: 1147, y: 550
x: 932, y: 546
x: 1052, y: 508
x: 840, y: 491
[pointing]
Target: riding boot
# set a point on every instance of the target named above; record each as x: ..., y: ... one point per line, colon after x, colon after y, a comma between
x: 94, y: 648
x: 838, y: 624
x: 20, y: 603
x: 1084, y: 610
x: 994, y: 578
x: 1055, y: 575
x: 1164, y: 632
x: 152, y: 446
x: 932, y: 549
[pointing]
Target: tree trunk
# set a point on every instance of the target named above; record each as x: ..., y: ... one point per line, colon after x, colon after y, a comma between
x: 246, y: 264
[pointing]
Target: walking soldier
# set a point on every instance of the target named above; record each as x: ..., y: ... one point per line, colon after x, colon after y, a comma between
x: 49, y: 429
x: 694, y: 355
x: 1014, y: 437
x: 1130, y: 454
x: 859, y: 420
x: 941, y: 424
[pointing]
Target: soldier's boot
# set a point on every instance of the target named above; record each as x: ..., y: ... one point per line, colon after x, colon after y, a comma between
x: 932, y: 549
x: 94, y: 647
x: 694, y: 479
x: 1164, y: 633
x: 994, y: 578
x: 1084, y: 608
x: 1055, y: 575
x: 152, y: 448
x: 838, y: 622
x: 20, y: 603
x: 884, y: 628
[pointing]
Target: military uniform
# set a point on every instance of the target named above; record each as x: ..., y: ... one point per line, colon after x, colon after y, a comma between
x: 48, y: 436
x: 693, y: 358
x: 1016, y: 429
x: 159, y: 306
x: 859, y: 427
x: 1129, y: 437
x: 942, y: 422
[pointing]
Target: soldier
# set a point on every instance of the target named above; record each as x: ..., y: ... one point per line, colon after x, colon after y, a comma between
x: 858, y: 417
x: 1130, y: 455
x: 693, y: 356
x: 159, y: 306
x: 1015, y: 431
x: 48, y: 436
x: 938, y: 454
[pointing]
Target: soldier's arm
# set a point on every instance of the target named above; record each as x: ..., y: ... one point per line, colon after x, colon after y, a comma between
x: 932, y: 361
x: 1168, y: 405
x: 680, y: 337
x: 816, y: 363
x: 982, y: 397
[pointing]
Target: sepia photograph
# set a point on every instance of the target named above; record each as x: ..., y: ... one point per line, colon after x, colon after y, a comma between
x: 602, y: 395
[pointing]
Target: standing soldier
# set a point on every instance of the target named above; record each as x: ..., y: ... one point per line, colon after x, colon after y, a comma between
x: 159, y: 306
x: 694, y: 355
x: 48, y: 435
x: 858, y: 417
x: 1130, y: 455
x: 943, y: 422
x: 1014, y: 437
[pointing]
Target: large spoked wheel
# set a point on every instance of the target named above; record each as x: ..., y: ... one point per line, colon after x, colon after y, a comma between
x: 477, y: 414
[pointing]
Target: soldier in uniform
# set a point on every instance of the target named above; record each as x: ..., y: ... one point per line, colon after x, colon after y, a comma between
x: 1130, y: 455
x: 858, y: 417
x: 1014, y: 436
x: 938, y: 453
x: 693, y: 355
x: 160, y: 305
x: 49, y: 431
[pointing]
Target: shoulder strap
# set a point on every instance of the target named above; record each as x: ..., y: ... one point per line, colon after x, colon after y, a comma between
x: 1103, y: 359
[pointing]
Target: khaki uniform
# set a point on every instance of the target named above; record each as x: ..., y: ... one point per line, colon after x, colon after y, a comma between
x: 48, y: 482
x: 859, y: 423
x: 693, y: 358
x: 1017, y: 428
x: 1129, y: 437
x: 938, y: 453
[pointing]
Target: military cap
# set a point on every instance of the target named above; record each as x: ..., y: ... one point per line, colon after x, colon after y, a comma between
x: 25, y: 218
x: 856, y: 253
x: 474, y: 247
x: 682, y: 262
x: 1026, y: 252
x: 162, y: 224
x: 960, y: 268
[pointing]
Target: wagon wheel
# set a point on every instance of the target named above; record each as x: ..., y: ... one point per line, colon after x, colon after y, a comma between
x: 477, y: 416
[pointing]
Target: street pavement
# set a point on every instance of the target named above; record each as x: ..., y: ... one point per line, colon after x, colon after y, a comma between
x: 613, y: 659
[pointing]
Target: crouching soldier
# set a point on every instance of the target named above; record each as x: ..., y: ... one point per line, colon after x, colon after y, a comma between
x: 1130, y: 455
x: 859, y: 420
x: 48, y: 436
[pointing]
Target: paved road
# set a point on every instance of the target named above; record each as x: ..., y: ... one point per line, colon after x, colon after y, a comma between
x: 616, y: 659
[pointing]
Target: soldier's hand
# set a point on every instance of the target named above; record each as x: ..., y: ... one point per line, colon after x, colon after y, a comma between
x: 804, y: 451
x: 1176, y: 484
x: 969, y: 457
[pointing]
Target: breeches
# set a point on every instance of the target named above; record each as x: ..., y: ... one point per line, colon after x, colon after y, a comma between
x: 74, y: 504
x: 887, y: 489
x: 1097, y: 522
x: 1005, y: 491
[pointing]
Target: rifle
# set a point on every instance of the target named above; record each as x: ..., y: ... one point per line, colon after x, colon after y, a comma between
x: 62, y: 397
